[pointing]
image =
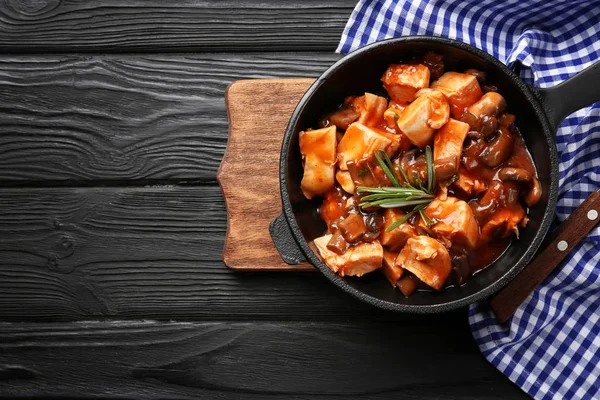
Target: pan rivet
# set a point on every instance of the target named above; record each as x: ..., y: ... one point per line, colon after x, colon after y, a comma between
x: 592, y: 215
x: 562, y: 245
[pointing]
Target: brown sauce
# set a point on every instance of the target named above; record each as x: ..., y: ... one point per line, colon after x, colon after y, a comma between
x: 495, y: 175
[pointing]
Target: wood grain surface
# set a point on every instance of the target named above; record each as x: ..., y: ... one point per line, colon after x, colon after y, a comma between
x: 116, y: 119
x: 159, y: 26
x: 71, y: 254
x: 112, y: 225
x: 155, y: 252
x: 260, y: 360
x: 249, y: 172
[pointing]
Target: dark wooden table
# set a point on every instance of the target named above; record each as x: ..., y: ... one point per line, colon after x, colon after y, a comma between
x: 112, y: 127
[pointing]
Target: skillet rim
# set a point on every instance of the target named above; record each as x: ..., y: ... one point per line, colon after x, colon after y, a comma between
x: 531, y: 96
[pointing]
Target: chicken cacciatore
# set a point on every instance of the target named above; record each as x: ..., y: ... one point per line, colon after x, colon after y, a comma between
x: 429, y: 183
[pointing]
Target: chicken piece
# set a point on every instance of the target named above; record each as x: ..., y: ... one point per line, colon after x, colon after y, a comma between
x: 462, y: 91
x: 397, y: 237
x: 403, y: 80
x: 502, y: 223
x: 391, y: 115
x: 370, y: 108
x: 408, y: 284
x: 491, y: 104
x: 395, y: 105
x: 345, y: 180
x: 318, y: 148
x: 506, y: 120
x: 396, y: 140
x: 356, y: 261
x: 360, y: 141
x: 422, y: 117
x: 447, y: 148
x: 455, y: 222
x: 428, y: 259
x: 392, y: 271
x: 468, y: 183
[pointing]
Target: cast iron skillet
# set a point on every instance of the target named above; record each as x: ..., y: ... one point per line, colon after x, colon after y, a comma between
x: 538, y: 112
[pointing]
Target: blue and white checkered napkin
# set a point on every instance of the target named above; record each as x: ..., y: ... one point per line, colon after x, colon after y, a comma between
x: 551, y: 346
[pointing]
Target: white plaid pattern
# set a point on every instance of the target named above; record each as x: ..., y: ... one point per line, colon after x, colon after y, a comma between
x: 551, y: 346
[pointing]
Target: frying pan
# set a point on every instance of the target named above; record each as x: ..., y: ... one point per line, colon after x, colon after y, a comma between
x: 538, y: 113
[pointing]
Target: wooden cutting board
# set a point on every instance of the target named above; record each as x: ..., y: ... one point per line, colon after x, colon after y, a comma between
x: 259, y: 111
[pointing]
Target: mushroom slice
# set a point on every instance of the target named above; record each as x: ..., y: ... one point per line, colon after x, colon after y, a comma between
x: 392, y: 271
x: 535, y: 193
x: 491, y: 104
x: 343, y: 117
x: 498, y: 150
x: 514, y: 174
x: 345, y: 180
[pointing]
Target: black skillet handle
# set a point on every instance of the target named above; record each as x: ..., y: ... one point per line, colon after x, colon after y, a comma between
x: 573, y: 94
x: 284, y: 241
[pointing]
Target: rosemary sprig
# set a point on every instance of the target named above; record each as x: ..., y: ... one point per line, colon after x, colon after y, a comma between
x: 392, y: 177
x: 397, y: 223
x: 394, y: 204
x: 429, y: 222
x: 430, y: 170
x: 427, y: 219
x: 402, y: 194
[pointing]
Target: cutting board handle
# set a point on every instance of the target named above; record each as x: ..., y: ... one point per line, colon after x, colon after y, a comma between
x: 284, y: 241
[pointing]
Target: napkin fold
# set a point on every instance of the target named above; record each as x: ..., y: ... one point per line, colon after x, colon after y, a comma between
x: 551, y: 346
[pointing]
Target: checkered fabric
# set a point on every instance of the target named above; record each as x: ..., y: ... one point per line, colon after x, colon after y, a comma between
x: 551, y: 346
